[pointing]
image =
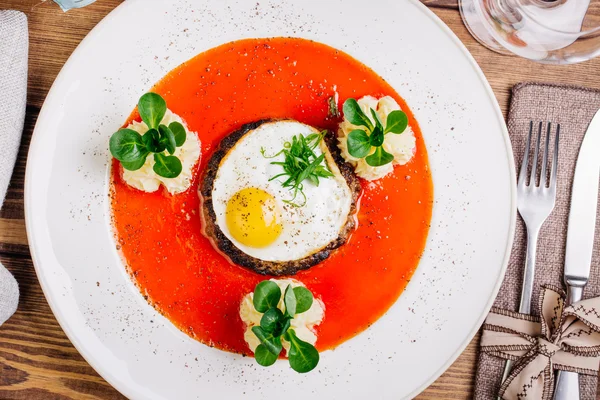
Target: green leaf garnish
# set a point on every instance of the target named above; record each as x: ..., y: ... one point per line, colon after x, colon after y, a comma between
x: 275, y: 322
x: 132, y: 148
x: 152, y: 108
x: 289, y: 299
x: 303, y: 356
x: 379, y: 158
x: 179, y: 132
x: 152, y: 141
x: 378, y: 125
x: 362, y: 141
x: 304, y: 299
x: 134, y: 165
x: 359, y: 144
x: 127, y: 145
x: 270, y: 319
x: 167, y: 166
x: 275, y: 326
x: 266, y: 295
x: 264, y: 357
x: 377, y: 137
x: 283, y: 327
x: 167, y: 137
x: 397, y: 122
x: 272, y: 343
x: 354, y: 114
x: 301, y: 164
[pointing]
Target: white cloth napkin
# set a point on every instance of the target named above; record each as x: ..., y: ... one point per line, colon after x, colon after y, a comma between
x: 14, y: 45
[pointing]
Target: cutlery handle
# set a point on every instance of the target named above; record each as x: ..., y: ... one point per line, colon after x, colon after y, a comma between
x: 567, y: 386
x: 567, y: 383
x: 529, y: 272
x: 527, y: 288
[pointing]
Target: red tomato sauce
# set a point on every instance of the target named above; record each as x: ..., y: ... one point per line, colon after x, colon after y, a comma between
x: 159, y: 235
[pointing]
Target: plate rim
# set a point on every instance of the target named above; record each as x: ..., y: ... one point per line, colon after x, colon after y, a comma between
x: 126, y: 389
x: 513, y: 199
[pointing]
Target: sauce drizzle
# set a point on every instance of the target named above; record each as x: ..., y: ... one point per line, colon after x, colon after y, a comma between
x: 159, y: 235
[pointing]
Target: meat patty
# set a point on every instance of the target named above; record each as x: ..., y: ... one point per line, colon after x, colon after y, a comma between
x: 277, y: 268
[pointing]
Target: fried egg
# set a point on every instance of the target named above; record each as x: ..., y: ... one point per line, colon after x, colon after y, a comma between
x: 252, y: 209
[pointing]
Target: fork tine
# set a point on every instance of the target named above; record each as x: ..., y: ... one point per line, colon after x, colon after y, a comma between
x: 543, y: 177
x: 555, y: 159
x: 536, y: 151
x: 525, y: 163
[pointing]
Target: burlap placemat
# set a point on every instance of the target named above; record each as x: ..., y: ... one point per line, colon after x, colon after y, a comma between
x: 573, y: 108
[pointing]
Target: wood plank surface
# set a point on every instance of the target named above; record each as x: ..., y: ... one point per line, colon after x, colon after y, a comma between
x: 37, y: 361
x: 441, y: 3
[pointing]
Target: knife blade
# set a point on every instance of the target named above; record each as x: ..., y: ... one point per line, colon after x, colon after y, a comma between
x: 584, y: 205
x: 580, y: 236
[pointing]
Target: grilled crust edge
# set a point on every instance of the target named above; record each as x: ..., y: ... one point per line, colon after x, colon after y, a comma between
x: 276, y: 268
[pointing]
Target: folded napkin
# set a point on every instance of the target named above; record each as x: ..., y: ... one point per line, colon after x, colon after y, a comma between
x: 14, y: 44
x: 573, y: 108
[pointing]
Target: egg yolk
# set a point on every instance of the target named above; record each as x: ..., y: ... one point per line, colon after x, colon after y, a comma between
x: 252, y: 217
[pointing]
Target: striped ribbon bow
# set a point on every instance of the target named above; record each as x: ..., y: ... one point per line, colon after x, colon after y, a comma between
x: 563, y: 338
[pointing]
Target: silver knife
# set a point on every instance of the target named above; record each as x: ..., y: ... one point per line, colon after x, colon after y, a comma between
x: 580, y: 237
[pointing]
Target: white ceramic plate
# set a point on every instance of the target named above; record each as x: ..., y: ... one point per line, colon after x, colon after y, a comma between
x: 141, y: 353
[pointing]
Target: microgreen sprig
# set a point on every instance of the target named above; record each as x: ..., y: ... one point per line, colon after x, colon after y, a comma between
x: 333, y: 110
x: 275, y: 326
x: 132, y: 149
x: 362, y: 141
x: 301, y: 163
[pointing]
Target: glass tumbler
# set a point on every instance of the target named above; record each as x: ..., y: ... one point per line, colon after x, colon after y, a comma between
x: 547, y: 31
x: 69, y: 4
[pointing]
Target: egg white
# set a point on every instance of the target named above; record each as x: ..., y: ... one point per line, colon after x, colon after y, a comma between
x: 307, y: 229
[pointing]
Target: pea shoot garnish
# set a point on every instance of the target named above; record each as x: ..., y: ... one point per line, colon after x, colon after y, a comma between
x: 333, y: 110
x: 300, y: 164
x: 132, y: 148
x: 275, y: 326
x: 362, y: 141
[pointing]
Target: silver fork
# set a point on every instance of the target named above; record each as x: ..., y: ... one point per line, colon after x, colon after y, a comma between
x: 535, y: 202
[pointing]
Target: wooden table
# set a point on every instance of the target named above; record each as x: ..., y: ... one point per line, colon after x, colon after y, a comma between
x: 37, y: 361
